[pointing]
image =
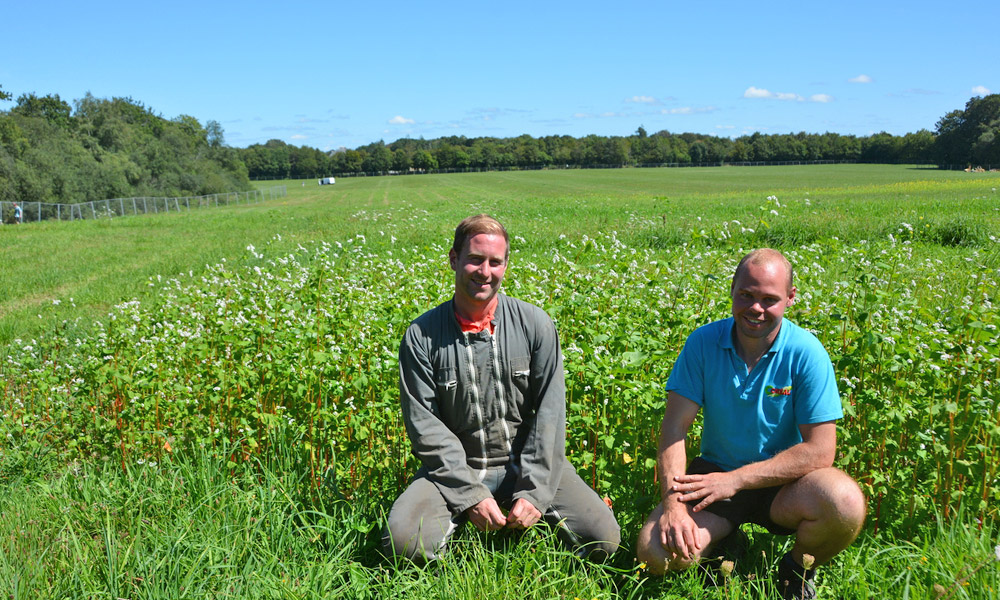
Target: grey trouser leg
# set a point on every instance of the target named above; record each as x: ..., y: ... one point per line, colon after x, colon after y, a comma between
x: 420, y: 522
x: 584, y: 521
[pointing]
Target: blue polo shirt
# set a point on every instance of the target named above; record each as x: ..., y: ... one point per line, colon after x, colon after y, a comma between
x: 749, y: 417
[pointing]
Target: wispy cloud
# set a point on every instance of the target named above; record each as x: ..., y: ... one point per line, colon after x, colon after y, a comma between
x: 642, y: 100
x: 981, y: 90
x: 755, y: 92
x: 299, y: 136
x: 860, y: 79
x: 688, y: 110
x: 399, y: 120
x: 603, y: 115
x: 761, y: 93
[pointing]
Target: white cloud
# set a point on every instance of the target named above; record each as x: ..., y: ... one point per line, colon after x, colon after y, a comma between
x: 981, y: 90
x: 642, y: 100
x: 299, y: 136
x: 398, y: 120
x: 581, y: 116
x: 753, y: 92
x: 783, y: 96
x: 688, y: 110
x: 860, y: 79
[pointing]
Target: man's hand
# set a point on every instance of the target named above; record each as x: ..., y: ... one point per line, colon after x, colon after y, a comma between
x: 523, y: 515
x: 707, y: 488
x: 487, y: 516
x: 678, y: 531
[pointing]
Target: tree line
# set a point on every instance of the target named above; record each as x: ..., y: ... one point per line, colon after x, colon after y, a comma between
x: 962, y: 138
x: 101, y: 149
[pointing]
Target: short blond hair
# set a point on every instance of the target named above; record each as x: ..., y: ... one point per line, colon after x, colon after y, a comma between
x: 475, y: 225
x: 762, y: 256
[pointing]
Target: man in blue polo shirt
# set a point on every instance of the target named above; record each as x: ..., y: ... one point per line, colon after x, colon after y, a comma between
x: 769, y: 437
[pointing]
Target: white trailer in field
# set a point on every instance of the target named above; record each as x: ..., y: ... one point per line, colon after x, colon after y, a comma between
x: 327, y: 181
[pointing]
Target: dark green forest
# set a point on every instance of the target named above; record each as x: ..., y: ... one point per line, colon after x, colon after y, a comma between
x: 969, y: 137
x: 98, y: 149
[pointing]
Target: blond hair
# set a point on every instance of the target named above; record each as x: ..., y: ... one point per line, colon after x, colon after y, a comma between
x: 475, y: 225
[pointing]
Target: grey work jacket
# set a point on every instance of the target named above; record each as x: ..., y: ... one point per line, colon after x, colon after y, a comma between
x: 472, y: 401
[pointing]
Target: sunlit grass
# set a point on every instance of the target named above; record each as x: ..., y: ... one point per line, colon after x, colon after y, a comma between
x: 234, y: 430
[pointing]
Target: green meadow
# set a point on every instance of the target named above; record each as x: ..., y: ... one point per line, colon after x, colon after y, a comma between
x: 204, y: 404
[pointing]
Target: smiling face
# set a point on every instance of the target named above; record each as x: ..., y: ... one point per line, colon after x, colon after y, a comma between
x: 479, y: 269
x: 761, y: 292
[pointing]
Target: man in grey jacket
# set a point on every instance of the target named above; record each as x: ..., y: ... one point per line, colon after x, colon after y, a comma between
x: 483, y: 398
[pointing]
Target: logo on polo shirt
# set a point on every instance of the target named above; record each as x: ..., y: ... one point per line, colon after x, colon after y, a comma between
x: 774, y: 392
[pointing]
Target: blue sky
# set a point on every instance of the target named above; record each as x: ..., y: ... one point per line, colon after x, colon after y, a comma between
x: 333, y: 74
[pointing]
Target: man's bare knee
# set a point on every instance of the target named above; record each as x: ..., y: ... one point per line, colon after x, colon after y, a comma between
x: 657, y: 559
x: 658, y: 563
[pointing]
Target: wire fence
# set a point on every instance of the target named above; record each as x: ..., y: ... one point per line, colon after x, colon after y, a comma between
x: 31, y: 212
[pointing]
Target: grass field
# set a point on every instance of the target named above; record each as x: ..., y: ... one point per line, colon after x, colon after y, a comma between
x: 99, y: 263
x: 204, y: 404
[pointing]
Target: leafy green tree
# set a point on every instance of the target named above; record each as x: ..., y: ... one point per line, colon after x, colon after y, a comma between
x: 105, y: 149
x: 349, y: 161
x: 214, y: 134
x: 424, y: 160
x: 51, y: 108
x: 917, y: 147
x: 379, y: 159
x: 305, y: 162
x: 970, y: 136
x: 699, y: 152
x: 740, y: 152
x: 880, y: 148
x: 400, y: 161
x: 983, y: 118
x: 451, y: 157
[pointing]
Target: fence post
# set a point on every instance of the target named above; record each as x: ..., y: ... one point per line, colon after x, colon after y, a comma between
x: 92, y: 211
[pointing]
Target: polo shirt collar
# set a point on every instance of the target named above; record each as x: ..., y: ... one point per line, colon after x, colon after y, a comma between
x: 726, y: 336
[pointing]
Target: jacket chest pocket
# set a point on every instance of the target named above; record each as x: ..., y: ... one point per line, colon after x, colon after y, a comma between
x: 520, y: 376
x: 446, y: 386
